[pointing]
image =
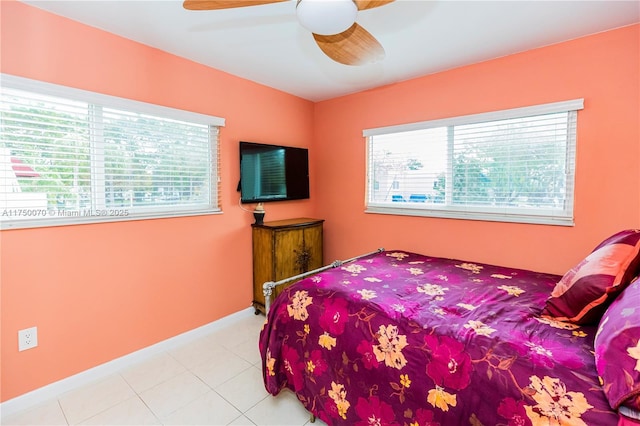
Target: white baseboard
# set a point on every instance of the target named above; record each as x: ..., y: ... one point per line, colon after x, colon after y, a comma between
x: 55, y: 389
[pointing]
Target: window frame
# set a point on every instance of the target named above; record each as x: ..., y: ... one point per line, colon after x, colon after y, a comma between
x: 483, y: 213
x: 17, y: 220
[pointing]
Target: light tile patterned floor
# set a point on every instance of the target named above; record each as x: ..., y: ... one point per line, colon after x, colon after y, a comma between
x: 215, y: 380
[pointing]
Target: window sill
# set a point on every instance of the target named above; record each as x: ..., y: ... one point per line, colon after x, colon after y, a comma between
x: 480, y: 216
x: 62, y: 219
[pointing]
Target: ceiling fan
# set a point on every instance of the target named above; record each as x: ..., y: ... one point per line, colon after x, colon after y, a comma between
x: 332, y: 23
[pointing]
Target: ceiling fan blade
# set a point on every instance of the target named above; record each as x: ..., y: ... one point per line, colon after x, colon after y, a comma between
x: 224, y: 4
x: 370, y: 4
x: 355, y: 46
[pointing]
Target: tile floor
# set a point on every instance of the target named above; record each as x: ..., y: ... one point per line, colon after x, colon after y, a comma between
x: 215, y: 380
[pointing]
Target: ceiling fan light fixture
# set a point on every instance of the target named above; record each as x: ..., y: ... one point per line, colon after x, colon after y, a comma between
x: 326, y: 17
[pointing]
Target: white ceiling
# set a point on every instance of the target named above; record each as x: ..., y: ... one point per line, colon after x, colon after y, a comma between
x: 266, y: 44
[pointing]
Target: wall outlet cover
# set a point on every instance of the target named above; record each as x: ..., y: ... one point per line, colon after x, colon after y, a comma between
x: 27, y: 338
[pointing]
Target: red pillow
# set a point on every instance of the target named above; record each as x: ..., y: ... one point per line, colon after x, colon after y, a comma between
x: 585, y: 291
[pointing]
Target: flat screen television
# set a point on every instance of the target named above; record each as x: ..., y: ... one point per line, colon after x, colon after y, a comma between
x: 273, y: 173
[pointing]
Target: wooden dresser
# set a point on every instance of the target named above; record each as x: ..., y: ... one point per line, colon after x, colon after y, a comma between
x: 282, y: 249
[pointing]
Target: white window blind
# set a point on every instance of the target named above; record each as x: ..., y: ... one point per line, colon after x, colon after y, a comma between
x: 70, y: 156
x: 513, y: 166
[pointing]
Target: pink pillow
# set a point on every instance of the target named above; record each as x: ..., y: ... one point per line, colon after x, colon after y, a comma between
x: 617, y: 349
x: 585, y: 291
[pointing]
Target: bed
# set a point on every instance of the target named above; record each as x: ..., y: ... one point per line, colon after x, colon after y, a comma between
x: 400, y: 338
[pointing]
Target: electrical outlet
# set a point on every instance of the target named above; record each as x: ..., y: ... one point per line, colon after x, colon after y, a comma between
x: 27, y: 338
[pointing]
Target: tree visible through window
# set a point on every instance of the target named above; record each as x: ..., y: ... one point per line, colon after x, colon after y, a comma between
x: 516, y: 165
x: 89, y: 158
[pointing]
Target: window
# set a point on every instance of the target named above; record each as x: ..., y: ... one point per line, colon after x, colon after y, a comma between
x: 512, y: 166
x: 70, y: 156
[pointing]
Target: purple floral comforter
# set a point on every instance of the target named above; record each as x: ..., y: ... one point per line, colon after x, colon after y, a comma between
x: 398, y: 338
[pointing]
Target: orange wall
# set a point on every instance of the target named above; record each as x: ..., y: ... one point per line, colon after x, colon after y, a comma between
x: 97, y: 292
x: 603, y: 69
